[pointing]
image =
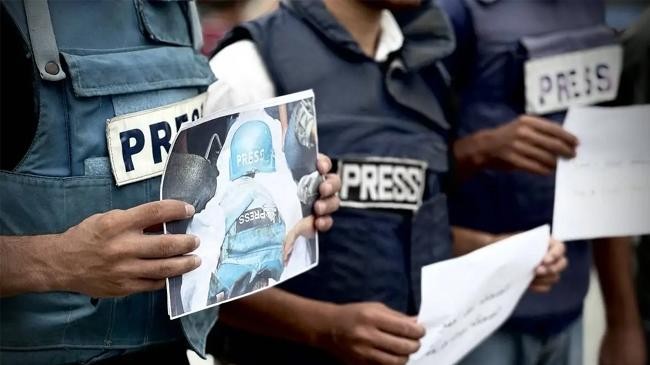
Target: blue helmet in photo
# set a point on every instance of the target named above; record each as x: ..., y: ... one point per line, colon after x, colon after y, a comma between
x: 251, y: 150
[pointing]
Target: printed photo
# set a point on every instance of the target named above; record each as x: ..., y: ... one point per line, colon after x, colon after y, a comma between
x: 250, y: 173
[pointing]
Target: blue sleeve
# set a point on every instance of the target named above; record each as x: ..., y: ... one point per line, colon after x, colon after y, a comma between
x: 459, y: 62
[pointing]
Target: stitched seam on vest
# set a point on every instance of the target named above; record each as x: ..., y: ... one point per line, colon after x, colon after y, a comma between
x: 66, y: 115
x: 170, y: 83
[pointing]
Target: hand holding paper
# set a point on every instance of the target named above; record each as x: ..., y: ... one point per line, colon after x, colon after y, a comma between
x: 605, y: 190
x: 371, y: 333
x: 465, y: 299
x: 548, y: 272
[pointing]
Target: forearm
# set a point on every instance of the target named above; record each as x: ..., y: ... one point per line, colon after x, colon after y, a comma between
x: 26, y: 264
x: 305, y: 227
x: 467, y: 240
x: 612, y: 257
x: 280, y: 314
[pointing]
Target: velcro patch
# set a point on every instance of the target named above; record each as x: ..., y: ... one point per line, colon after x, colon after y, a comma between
x: 138, y: 143
x: 382, y: 182
x: 584, y: 77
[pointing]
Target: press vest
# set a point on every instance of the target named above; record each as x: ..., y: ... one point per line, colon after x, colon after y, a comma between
x: 364, y: 110
x: 507, y: 34
x: 252, y: 247
x: 117, y: 57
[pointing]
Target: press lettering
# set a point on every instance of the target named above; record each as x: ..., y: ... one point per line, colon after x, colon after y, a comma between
x: 602, y: 75
x: 385, y: 182
x: 180, y: 120
x: 588, y: 81
x: 399, y: 190
x: 582, y: 77
x: 369, y: 182
x: 413, y: 182
x: 351, y: 176
x: 158, y: 141
x: 381, y: 182
x: 562, y: 86
x: 128, y: 149
x: 545, y: 87
x: 573, y: 83
x: 249, y: 158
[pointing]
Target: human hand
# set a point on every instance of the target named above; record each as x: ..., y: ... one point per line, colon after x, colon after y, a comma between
x: 623, y: 346
x: 531, y: 144
x: 371, y: 333
x: 287, y: 248
x: 548, y: 272
x: 328, y: 202
x: 108, y: 254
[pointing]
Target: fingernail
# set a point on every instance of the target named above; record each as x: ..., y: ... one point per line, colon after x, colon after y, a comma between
x: 197, y: 242
x: 326, y: 188
x: 197, y: 261
x: 320, y: 207
x: 189, y: 210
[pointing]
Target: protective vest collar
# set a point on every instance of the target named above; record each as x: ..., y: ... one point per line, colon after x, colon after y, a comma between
x: 423, y: 43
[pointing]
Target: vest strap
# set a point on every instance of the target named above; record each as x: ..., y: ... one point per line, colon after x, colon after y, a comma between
x: 41, y: 35
x: 195, y: 24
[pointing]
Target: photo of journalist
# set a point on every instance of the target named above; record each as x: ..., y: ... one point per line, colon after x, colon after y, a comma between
x: 255, y: 226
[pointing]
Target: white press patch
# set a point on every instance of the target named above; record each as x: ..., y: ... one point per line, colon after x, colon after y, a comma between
x: 578, y: 78
x: 138, y: 143
x: 382, y: 182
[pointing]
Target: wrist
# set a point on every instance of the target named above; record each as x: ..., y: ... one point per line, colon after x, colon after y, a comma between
x: 323, y: 334
x: 50, y: 274
x: 473, y: 151
x: 623, y: 321
x: 27, y: 263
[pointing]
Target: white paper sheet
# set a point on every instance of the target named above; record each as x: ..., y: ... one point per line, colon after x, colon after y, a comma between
x: 465, y: 299
x: 605, y: 190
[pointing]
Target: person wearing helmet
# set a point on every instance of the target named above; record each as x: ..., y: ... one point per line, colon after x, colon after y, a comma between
x: 252, y: 250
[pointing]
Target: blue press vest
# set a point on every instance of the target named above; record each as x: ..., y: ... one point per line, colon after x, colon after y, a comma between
x: 363, y: 109
x: 120, y: 57
x: 254, y: 240
x: 507, y: 33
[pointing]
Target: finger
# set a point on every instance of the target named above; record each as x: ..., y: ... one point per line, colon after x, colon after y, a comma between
x: 547, y: 280
x: 324, y: 224
x: 560, y: 265
x: 530, y: 165
x: 533, y: 152
x: 395, y: 345
x: 377, y: 356
x: 165, y: 245
x: 552, y: 129
x: 288, y: 248
x: 330, y: 186
x: 166, y: 268
x: 552, y: 144
x: 398, y: 324
x: 153, y: 213
x: 323, y: 164
x: 555, y: 251
x: 327, y: 206
x: 541, y: 289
